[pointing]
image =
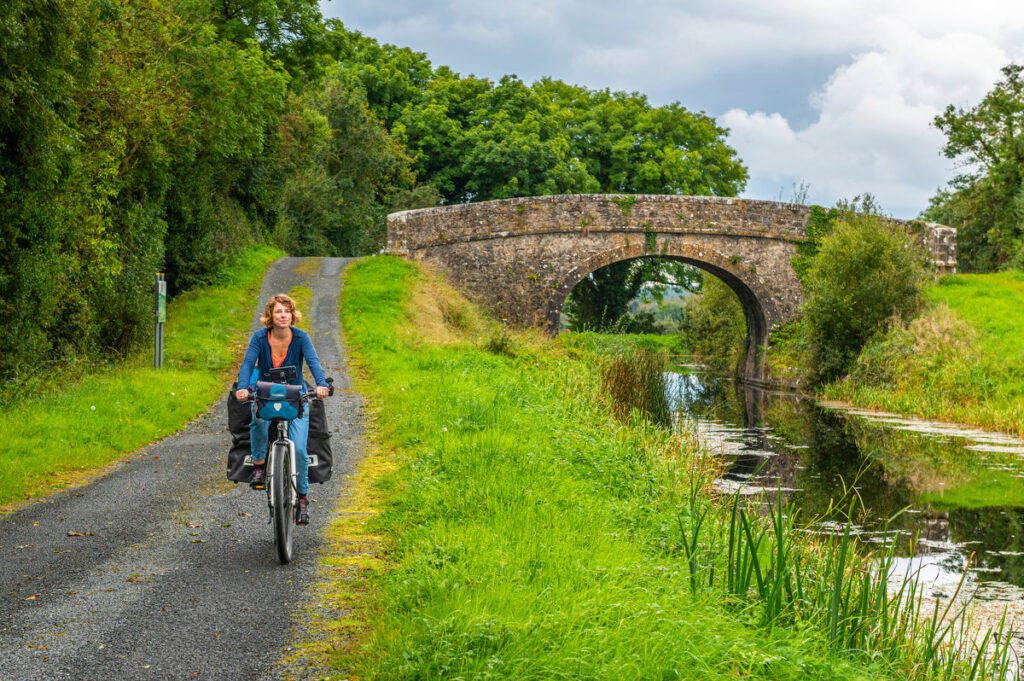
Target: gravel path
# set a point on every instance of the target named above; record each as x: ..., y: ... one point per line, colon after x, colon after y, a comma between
x: 163, y: 569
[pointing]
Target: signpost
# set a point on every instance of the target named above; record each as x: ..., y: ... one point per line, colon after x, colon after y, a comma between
x: 161, y: 317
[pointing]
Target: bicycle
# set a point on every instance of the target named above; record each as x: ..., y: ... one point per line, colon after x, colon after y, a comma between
x: 282, y: 474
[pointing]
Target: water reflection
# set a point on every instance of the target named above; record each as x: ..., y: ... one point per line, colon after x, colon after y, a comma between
x: 941, y: 493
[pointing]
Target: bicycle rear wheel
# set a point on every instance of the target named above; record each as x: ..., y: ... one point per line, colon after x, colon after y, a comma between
x: 281, y: 483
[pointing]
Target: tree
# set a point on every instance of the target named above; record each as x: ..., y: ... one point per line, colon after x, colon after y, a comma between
x: 629, y: 146
x: 715, y: 327
x: 225, y: 189
x: 43, y: 54
x: 986, y: 202
x: 476, y: 141
x: 292, y: 32
x: 390, y: 77
x: 864, y: 273
x: 357, y: 176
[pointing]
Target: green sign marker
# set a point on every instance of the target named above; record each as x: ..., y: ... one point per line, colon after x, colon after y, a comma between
x: 161, y: 303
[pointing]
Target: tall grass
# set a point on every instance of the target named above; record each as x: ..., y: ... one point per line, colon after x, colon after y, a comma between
x: 96, y: 416
x: 636, y: 380
x: 835, y: 584
x: 961, y: 360
x: 533, y: 534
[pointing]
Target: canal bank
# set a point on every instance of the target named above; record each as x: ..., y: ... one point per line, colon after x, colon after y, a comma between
x: 531, y: 534
x: 961, y: 360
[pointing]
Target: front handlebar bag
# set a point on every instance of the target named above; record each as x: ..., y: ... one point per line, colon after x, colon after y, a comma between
x: 278, y: 401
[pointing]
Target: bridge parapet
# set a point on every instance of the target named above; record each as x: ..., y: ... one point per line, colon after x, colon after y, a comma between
x: 642, y: 213
x: 585, y: 213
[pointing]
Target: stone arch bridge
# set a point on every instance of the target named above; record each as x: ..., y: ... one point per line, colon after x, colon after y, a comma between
x: 521, y: 257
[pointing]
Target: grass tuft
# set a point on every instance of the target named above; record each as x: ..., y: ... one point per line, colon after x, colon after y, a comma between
x: 636, y: 381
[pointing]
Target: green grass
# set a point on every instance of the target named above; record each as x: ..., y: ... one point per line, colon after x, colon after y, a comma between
x: 962, y: 360
x: 532, y: 535
x: 303, y: 297
x: 54, y: 439
x: 606, y: 343
x: 993, y: 304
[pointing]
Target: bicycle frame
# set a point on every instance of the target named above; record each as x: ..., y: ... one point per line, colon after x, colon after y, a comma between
x: 282, y: 439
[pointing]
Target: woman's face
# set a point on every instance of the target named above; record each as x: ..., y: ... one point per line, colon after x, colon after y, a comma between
x: 282, y: 316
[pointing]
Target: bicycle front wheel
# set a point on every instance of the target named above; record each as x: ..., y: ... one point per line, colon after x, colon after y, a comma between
x: 283, y: 501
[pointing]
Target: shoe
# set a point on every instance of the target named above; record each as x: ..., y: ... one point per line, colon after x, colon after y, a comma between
x: 302, y: 511
x: 259, y: 477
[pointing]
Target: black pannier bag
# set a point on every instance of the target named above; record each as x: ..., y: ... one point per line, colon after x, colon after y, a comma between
x: 318, y: 444
x: 239, y: 418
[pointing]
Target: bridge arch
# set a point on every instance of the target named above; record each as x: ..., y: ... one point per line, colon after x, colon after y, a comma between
x: 758, y: 307
x: 521, y: 257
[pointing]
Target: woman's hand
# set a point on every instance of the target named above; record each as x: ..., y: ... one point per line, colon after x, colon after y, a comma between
x: 321, y: 391
x: 242, y: 395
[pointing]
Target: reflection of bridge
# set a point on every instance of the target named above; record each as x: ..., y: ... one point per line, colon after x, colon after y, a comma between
x: 522, y: 257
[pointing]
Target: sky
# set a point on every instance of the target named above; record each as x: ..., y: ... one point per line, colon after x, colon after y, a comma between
x: 836, y: 97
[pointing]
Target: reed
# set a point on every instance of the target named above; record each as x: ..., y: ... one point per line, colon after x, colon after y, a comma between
x: 838, y: 586
x: 636, y: 381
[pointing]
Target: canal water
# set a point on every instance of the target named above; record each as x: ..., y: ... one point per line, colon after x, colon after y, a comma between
x: 942, y: 494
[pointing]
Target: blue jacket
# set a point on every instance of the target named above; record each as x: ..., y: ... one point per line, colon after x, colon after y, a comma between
x: 257, y: 359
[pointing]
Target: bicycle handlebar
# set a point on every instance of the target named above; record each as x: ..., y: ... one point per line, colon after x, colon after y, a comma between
x: 308, y: 396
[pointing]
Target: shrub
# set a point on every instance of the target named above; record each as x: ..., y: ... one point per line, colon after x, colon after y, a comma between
x: 787, y: 359
x: 865, y: 273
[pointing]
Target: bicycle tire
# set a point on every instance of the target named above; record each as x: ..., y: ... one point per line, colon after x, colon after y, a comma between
x: 281, y: 482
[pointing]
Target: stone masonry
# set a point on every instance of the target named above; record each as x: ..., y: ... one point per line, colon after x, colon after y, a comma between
x: 521, y: 257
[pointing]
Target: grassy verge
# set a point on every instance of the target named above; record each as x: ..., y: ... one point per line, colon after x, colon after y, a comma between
x: 336, y: 616
x: 53, y: 440
x: 961, y: 361
x: 303, y: 297
x: 607, y: 343
x: 530, y: 534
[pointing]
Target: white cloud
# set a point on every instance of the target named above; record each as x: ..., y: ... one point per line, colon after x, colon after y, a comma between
x: 837, y: 94
x: 873, y: 130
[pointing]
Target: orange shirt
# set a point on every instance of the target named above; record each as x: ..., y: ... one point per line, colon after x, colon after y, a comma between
x: 275, y: 358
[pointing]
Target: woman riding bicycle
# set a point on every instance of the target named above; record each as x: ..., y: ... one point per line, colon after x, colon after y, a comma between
x: 280, y: 344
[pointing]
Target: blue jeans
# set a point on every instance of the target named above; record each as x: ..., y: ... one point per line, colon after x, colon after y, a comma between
x: 298, y: 430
